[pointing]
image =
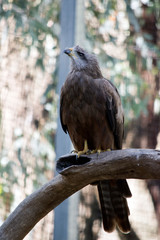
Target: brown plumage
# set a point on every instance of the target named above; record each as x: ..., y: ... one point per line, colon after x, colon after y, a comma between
x: 91, y: 110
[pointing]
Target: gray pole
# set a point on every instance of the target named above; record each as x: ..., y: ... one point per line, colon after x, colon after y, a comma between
x: 65, y: 215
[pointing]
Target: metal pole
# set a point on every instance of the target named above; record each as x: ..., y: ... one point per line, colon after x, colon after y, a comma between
x: 65, y: 215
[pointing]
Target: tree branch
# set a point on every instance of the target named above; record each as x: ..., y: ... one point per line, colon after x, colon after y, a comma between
x: 76, y: 174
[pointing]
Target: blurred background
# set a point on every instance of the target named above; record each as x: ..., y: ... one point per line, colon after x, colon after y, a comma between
x: 125, y: 36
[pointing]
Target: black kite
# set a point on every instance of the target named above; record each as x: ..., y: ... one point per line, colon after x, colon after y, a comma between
x: 91, y: 112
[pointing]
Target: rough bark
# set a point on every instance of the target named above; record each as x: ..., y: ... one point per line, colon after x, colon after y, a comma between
x: 119, y: 164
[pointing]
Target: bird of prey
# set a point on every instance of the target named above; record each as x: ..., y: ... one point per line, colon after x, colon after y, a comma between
x: 91, y: 112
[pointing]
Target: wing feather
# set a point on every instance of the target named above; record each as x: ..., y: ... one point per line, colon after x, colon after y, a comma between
x: 114, y: 113
x: 64, y: 126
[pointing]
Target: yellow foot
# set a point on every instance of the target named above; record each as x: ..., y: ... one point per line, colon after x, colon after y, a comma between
x: 85, y: 150
x: 74, y: 151
x: 100, y: 150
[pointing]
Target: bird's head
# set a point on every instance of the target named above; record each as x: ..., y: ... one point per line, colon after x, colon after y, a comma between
x: 81, y: 59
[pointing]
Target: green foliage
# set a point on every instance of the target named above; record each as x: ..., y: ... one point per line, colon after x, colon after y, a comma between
x: 131, y: 15
x: 7, y: 177
x: 140, y: 47
x: 35, y: 20
x: 32, y: 24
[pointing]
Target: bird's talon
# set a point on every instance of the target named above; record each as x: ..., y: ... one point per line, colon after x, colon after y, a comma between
x: 99, y: 151
x: 74, y: 151
x: 93, y: 151
x: 85, y: 150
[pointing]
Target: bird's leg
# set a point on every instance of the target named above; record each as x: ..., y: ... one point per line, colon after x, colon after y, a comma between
x: 85, y: 150
x: 100, y: 150
x: 74, y: 151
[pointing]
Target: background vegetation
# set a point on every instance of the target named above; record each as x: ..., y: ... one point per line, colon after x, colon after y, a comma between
x: 125, y: 35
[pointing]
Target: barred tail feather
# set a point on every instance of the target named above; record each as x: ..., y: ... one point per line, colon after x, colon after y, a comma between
x: 114, y: 206
x: 124, y: 188
x: 120, y: 207
x: 108, y: 215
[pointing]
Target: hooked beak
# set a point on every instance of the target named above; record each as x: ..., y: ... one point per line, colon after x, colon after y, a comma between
x: 69, y: 52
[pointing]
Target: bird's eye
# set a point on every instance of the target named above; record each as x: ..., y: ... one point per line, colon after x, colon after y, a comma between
x: 80, y: 54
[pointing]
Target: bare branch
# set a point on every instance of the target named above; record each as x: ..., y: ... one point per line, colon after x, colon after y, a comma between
x: 119, y: 164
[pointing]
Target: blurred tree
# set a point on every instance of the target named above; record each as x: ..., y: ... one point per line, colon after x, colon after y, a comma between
x: 29, y: 31
x: 34, y: 21
x: 125, y: 34
x: 147, y: 58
